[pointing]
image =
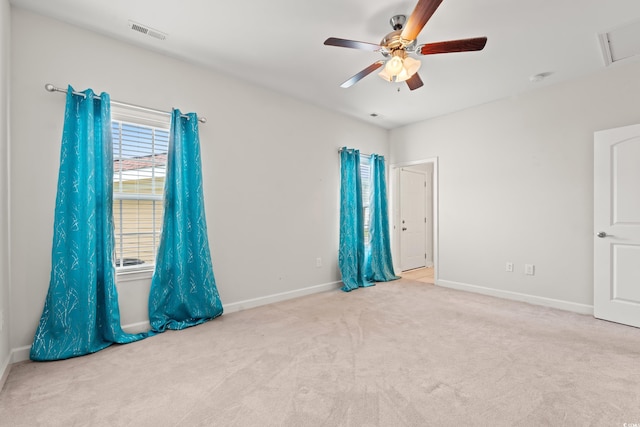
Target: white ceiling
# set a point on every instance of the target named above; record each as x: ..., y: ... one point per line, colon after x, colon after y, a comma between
x: 278, y: 44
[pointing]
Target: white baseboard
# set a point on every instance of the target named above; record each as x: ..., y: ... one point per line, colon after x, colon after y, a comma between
x: 516, y: 296
x: 5, y: 367
x: 137, y: 328
x: 270, y: 299
x: 22, y: 353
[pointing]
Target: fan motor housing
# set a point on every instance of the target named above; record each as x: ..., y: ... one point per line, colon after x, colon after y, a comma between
x: 393, y: 41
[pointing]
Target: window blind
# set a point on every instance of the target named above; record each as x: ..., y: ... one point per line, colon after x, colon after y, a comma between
x: 139, y: 168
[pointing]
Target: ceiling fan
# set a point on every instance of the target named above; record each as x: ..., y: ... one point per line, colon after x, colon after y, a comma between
x: 402, y: 41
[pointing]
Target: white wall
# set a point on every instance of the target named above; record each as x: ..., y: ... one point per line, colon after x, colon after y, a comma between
x: 516, y: 184
x: 4, y: 187
x: 270, y: 165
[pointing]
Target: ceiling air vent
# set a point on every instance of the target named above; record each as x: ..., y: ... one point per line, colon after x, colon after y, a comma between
x: 621, y: 43
x: 144, y: 29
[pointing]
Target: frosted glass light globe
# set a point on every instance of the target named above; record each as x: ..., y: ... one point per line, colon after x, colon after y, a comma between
x: 394, y: 66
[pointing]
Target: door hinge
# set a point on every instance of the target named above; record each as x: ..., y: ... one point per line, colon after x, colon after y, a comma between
x: 425, y: 219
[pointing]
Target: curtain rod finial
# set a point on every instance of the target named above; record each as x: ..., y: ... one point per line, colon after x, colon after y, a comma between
x: 50, y: 87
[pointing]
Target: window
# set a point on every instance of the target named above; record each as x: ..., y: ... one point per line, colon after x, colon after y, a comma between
x: 140, y: 148
x: 365, y: 178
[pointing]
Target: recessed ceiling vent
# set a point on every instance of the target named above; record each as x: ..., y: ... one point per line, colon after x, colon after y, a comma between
x: 145, y: 29
x: 621, y: 43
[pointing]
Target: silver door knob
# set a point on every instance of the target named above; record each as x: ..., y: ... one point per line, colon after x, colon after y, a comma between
x: 601, y: 234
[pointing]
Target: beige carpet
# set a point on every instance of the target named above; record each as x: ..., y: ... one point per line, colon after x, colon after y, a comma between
x: 398, y: 354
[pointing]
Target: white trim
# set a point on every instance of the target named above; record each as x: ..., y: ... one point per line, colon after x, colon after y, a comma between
x: 233, y: 307
x: 137, y: 328
x: 414, y: 162
x: 435, y: 206
x: 135, y: 116
x: 401, y: 214
x: 4, y: 372
x: 138, y: 196
x: 516, y: 296
x: 603, y: 38
x: 134, y: 273
x: 20, y: 354
x: 283, y: 296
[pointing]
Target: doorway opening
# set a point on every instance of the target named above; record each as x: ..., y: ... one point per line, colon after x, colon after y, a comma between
x: 414, y: 218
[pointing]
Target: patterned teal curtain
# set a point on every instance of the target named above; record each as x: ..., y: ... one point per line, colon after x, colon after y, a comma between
x: 81, y: 313
x: 183, y: 289
x: 378, y: 262
x: 351, y: 255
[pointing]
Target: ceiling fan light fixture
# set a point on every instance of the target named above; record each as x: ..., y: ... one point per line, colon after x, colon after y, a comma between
x: 385, y: 76
x: 394, y: 66
x: 395, y: 47
x: 409, y: 66
x: 403, y: 76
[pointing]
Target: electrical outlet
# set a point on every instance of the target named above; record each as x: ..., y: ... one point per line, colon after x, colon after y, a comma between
x: 1, y: 320
x: 529, y: 269
x: 318, y: 262
x: 509, y: 267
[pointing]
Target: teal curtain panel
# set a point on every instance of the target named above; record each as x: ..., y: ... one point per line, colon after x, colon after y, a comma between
x: 183, y: 289
x: 81, y: 313
x: 378, y: 261
x: 351, y: 253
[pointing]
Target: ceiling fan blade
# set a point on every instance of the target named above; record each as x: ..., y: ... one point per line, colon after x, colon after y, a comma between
x: 414, y: 82
x: 419, y: 17
x: 333, y: 41
x: 362, y: 74
x: 463, y: 45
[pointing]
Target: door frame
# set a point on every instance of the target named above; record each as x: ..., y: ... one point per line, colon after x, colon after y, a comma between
x: 606, y: 304
x: 402, y: 215
x: 394, y: 206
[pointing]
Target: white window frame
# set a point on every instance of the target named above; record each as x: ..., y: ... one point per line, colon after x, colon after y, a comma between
x: 365, y: 180
x: 143, y: 118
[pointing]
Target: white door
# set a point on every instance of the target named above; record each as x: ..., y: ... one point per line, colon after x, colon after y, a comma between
x: 412, y: 220
x: 617, y: 225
